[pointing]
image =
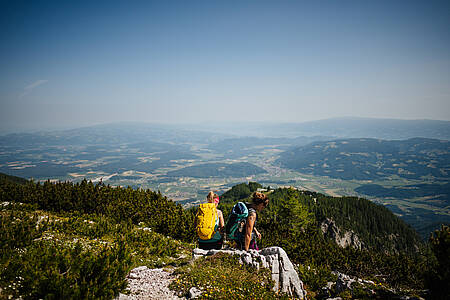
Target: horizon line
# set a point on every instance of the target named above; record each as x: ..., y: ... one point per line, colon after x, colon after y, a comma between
x: 47, y: 129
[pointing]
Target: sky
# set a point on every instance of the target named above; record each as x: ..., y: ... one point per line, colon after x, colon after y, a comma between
x: 66, y: 64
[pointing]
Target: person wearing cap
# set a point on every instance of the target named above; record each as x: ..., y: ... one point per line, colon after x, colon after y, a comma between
x: 250, y: 234
x: 217, y: 239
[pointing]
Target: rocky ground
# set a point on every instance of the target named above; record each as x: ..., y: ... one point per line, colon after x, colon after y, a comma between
x: 145, y: 283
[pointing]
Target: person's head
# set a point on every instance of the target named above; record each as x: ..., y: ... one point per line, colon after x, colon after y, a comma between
x: 213, y: 198
x: 210, y: 197
x: 259, y: 201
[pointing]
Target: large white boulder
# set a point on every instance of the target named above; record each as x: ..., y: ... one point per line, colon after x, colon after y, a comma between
x: 274, y: 258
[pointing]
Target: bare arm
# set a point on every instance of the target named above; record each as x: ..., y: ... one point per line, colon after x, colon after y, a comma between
x: 248, y: 230
x: 258, y: 235
x: 221, y: 221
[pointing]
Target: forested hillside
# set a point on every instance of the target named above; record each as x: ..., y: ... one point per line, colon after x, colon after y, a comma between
x: 6, y: 178
x: 392, y: 252
x: 368, y: 159
x: 375, y: 225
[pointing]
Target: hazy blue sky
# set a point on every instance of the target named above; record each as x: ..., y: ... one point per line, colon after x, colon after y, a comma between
x: 70, y: 63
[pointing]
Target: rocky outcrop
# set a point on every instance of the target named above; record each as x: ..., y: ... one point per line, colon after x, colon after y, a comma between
x: 274, y: 258
x: 348, y: 238
x: 345, y: 282
x: 360, y: 289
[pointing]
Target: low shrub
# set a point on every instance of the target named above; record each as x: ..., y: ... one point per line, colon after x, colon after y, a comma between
x: 18, y: 229
x: 76, y: 256
x: 52, y: 271
x: 315, y: 277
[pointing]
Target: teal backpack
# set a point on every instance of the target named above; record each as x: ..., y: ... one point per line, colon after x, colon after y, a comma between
x: 236, y: 221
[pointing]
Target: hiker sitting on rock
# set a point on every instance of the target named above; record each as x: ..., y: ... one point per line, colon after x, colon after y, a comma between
x: 259, y: 202
x: 210, y: 224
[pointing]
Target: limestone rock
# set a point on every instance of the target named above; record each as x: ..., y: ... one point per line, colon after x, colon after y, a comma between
x: 274, y: 258
x: 344, y: 282
x: 194, y: 292
x: 348, y: 238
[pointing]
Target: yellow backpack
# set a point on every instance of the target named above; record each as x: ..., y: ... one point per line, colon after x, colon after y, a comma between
x: 206, y: 220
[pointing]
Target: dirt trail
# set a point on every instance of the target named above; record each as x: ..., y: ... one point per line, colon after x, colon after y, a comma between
x: 145, y: 283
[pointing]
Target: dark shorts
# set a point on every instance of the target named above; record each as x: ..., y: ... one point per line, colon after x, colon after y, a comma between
x: 210, y: 245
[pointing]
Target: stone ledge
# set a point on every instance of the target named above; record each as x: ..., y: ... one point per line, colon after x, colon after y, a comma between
x: 274, y: 258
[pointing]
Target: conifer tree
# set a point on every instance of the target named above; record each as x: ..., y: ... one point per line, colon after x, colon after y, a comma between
x: 439, y: 278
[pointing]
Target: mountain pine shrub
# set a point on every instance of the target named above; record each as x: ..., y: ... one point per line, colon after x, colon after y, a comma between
x: 52, y: 271
x: 117, y: 203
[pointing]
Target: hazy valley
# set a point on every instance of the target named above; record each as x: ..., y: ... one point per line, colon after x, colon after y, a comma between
x: 408, y: 174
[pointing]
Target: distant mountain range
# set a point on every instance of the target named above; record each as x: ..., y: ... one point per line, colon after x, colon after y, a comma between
x: 376, y: 128
x: 348, y: 127
x: 107, y: 134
